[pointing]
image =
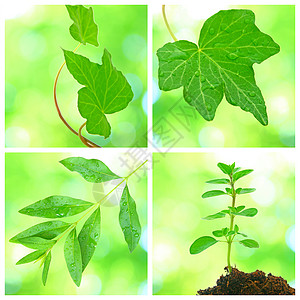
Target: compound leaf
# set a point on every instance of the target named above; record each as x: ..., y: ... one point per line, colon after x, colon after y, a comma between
x: 84, y: 29
x: 249, y: 243
x: 46, y: 268
x: 202, y: 244
x: 73, y: 257
x: 31, y: 257
x: 56, y: 207
x: 89, y: 236
x: 221, y: 63
x: 213, y: 193
x: 129, y: 220
x: 106, y: 90
x: 219, y: 181
x: 46, y: 230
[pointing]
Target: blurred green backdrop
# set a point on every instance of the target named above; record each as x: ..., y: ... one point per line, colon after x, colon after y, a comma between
x: 112, y: 270
x: 231, y: 127
x: 34, y: 37
x: 179, y: 181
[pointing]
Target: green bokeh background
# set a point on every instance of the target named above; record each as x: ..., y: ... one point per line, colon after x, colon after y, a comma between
x: 231, y: 127
x: 179, y: 181
x: 113, y: 270
x: 33, y: 56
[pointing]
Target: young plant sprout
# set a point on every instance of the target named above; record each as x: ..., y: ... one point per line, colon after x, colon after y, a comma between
x: 227, y: 233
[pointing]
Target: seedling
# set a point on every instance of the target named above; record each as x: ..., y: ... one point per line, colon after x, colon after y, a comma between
x: 78, y: 249
x: 221, y: 63
x: 227, y: 233
x: 105, y: 90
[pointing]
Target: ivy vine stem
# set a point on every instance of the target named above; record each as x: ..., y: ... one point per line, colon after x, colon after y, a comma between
x: 167, y: 23
x: 84, y: 140
x: 87, y: 141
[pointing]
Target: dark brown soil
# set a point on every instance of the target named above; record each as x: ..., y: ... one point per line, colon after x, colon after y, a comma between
x: 255, y: 283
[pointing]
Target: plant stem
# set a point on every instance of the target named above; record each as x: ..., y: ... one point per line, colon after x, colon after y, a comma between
x: 167, y: 24
x: 84, y: 140
x: 58, y: 109
x: 230, y: 239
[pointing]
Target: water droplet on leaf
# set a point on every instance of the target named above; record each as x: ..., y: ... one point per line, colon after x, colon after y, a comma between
x: 252, y: 94
x: 197, y: 73
x: 232, y: 56
x: 208, y: 107
x: 202, y: 78
x: 211, y: 30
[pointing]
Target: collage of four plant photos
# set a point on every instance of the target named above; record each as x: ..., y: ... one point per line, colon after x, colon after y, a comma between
x: 192, y: 189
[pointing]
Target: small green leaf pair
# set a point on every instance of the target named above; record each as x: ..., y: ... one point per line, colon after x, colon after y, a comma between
x: 105, y: 90
x: 78, y: 249
x: 229, y: 233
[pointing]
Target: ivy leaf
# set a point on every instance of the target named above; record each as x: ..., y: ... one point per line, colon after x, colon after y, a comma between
x: 73, y: 257
x: 202, y: 244
x: 84, y: 29
x: 249, y: 243
x: 56, y: 207
x: 92, y: 170
x: 89, y: 236
x: 37, y: 243
x: 245, y: 191
x: 106, y: 90
x: 219, y: 181
x: 249, y: 212
x: 221, y: 63
x: 224, y: 168
x: 129, y: 220
x: 46, y: 268
x: 31, y: 257
x: 46, y: 230
x: 241, y: 174
x: 213, y: 193
x: 215, y: 216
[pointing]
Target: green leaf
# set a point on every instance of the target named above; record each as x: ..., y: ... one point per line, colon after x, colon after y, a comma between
x: 246, y: 191
x: 239, y: 208
x: 46, y: 230
x: 236, y: 228
x: 225, y: 211
x: 215, y: 216
x: 235, y: 170
x: 31, y: 257
x: 73, y: 257
x: 36, y: 243
x: 92, y: 170
x: 219, y: 181
x: 231, y: 232
x: 249, y: 212
x: 224, y: 168
x: 240, y: 174
x: 202, y: 244
x: 218, y: 233
x: 221, y: 63
x: 56, y: 207
x: 46, y: 268
x: 129, y: 220
x: 106, y: 90
x: 243, y: 234
x: 89, y: 236
x: 84, y: 29
x: 249, y: 243
x: 225, y: 230
x: 213, y: 193
x: 229, y: 191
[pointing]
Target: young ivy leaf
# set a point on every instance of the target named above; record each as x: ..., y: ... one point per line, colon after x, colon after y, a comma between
x: 89, y: 236
x: 84, y: 29
x: 202, y: 244
x: 92, y: 170
x: 213, y: 193
x: 129, y: 220
x: 73, y: 257
x: 221, y: 63
x: 46, y: 268
x: 106, y: 90
x: 46, y: 230
x: 56, y: 207
x: 31, y: 257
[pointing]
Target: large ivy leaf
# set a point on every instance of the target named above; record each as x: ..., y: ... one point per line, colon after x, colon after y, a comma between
x: 221, y: 63
x: 89, y: 236
x: 84, y: 29
x: 73, y: 257
x: 129, y: 220
x: 92, y: 170
x: 106, y: 90
x: 202, y: 244
x: 56, y: 207
x: 46, y: 230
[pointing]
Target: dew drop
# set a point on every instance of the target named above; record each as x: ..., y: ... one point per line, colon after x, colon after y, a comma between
x: 161, y: 74
x: 202, y: 78
x: 124, y: 204
x: 232, y: 56
x: 246, y: 109
x: 197, y: 73
x: 211, y: 30
x: 136, y: 235
x: 252, y: 94
x: 208, y: 107
x: 247, y: 20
